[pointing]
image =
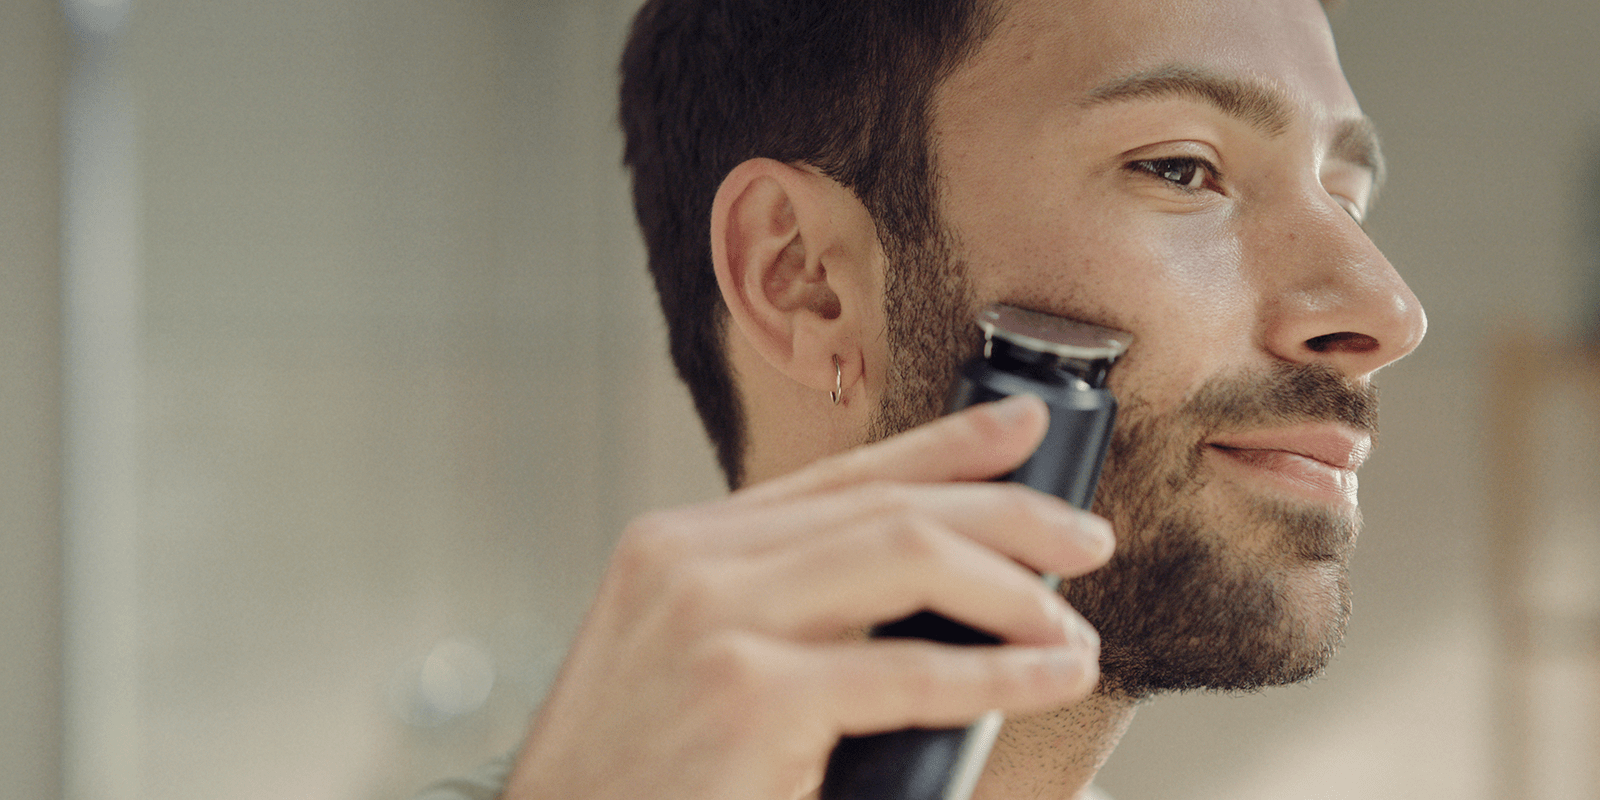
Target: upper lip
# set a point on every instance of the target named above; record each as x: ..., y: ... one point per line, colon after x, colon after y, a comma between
x: 1335, y: 445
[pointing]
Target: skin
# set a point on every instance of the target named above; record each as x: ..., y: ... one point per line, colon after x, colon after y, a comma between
x: 718, y: 659
x: 1224, y: 235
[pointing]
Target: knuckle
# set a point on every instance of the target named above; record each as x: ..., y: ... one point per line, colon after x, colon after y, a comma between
x: 694, y: 596
x: 724, y: 662
x: 911, y: 538
x: 738, y: 675
x: 659, y: 562
x: 903, y: 528
x: 651, y: 542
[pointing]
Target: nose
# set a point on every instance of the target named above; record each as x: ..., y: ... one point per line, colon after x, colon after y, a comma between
x: 1334, y: 299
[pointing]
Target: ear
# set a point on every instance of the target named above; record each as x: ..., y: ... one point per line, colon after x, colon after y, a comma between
x: 798, y: 261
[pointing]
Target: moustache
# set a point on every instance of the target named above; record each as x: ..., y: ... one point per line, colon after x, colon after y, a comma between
x: 1287, y: 393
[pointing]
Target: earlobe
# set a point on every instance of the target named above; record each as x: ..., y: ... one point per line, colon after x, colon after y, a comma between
x: 794, y: 264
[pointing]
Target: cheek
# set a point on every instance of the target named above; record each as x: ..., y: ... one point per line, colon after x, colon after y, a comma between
x: 1176, y: 282
x: 1167, y: 277
x: 1199, y: 261
x: 1172, y: 279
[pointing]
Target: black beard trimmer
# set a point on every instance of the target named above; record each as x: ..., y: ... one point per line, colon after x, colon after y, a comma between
x: 1065, y: 363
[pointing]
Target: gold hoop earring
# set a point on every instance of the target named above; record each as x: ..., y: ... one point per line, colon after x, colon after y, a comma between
x: 838, y: 382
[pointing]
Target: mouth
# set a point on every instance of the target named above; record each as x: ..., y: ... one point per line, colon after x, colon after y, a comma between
x: 1317, y: 462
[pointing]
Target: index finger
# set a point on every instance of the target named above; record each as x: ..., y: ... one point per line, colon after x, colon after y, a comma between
x: 973, y: 444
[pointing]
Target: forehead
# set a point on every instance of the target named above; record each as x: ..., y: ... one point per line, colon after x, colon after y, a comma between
x: 1056, y: 53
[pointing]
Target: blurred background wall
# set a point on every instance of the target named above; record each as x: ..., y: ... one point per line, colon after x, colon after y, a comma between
x: 31, y: 62
x: 325, y: 411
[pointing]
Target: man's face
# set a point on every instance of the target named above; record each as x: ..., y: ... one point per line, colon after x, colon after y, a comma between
x: 1193, y: 172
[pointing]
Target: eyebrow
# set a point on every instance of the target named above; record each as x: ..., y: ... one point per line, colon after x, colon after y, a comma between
x: 1355, y: 141
x: 1257, y: 105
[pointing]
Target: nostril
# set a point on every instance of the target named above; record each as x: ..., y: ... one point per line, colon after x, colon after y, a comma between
x: 1343, y: 342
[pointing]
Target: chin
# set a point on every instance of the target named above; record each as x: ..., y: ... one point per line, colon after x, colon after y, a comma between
x: 1199, y: 600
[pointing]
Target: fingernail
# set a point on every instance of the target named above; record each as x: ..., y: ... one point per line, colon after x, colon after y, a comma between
x: 1081, y: 634
x: 1092, y: 533
x: 1075, y: 664
x: 1096, y: 535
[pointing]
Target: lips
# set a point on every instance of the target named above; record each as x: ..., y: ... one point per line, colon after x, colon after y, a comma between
x: 1316, y: 459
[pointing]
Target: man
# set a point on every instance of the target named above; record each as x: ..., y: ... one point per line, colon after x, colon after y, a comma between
x: 830, y: 192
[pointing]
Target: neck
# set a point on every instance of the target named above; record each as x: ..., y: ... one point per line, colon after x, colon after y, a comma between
x: 1049, y: 756
x: 1055, y: 755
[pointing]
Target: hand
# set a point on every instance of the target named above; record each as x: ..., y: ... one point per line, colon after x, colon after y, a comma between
x: 722, y: 656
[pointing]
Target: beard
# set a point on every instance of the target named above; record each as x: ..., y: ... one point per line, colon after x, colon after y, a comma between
x: 1196, y: 596
x: 1223, y: 598
x: 931, y: 327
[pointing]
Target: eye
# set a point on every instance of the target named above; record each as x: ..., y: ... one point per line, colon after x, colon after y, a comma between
x: 1186, y: 173
x: 1352, y: 208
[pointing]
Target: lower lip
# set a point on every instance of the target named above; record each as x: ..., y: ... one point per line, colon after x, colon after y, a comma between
x: 1305, y: 477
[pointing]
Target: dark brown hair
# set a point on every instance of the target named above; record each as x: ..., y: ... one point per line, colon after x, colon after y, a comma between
x: 842, y: 85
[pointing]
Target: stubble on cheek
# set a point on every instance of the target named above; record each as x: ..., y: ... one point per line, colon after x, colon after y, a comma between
x: 931, y: 314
